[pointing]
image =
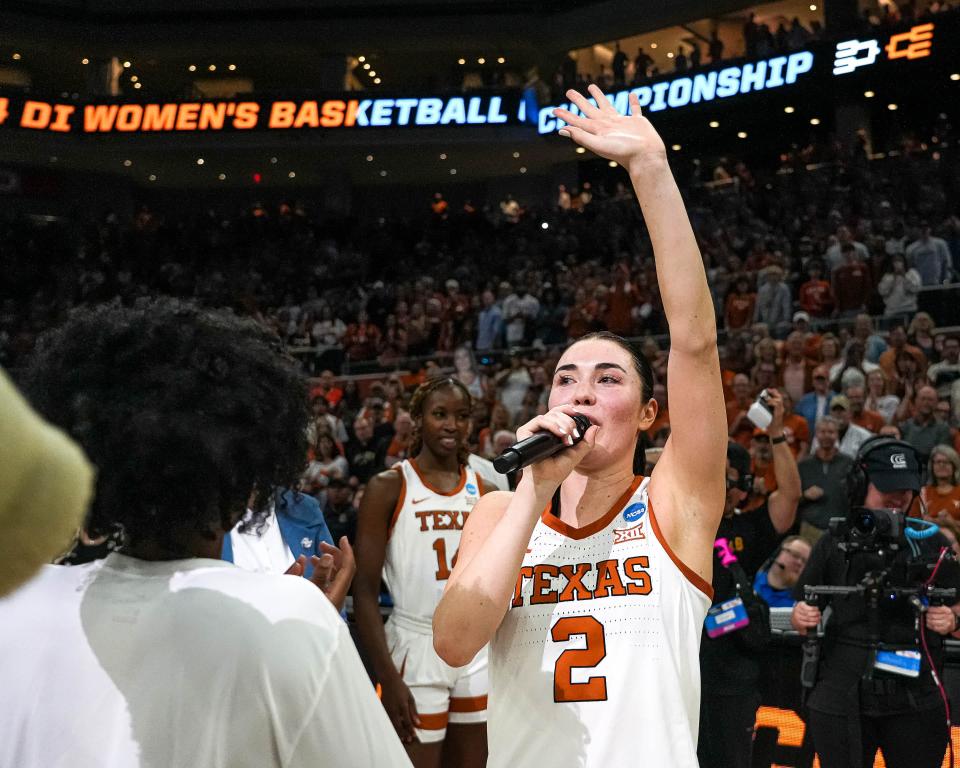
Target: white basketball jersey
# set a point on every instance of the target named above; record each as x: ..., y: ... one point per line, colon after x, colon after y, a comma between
x: 597, y: 661
x: 424, y: 539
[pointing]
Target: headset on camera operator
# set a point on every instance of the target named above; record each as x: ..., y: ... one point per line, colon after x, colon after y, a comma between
x: 890, y: 585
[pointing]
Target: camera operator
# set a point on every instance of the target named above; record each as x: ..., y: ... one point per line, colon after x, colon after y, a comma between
x: 730, y: 663
x: 858, y: 702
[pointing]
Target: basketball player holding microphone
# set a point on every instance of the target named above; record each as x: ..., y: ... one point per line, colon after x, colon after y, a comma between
x: 592, y: 584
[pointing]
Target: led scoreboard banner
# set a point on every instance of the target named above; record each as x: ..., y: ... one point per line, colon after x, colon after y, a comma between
x: 256, y: 114
x: 822, y: 68
x: 803, y: 67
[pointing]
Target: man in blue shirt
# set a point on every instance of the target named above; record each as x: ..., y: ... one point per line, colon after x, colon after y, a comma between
x: 774, y: 582
x: 489, y: 323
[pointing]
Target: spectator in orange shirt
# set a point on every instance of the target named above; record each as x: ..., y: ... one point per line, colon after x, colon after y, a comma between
x: 829, y: 351
x: 816, y: 295
x: 399, y: 448
x: 897, y: 341
x: 362, y: 338
x: 942, y: 495
x: 740, y: 304
x: 795, y: 429
x: 852, y: 284
x: 764, y: 477
x: 620, y: 301
x: 328, y: 388
x: 740, y: 427
x: 859, y: 415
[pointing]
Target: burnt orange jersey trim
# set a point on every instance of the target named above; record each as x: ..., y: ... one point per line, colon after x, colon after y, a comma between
x: 552, y: 521
x: 435, y: 722
x: 692, y: 576
x: 454, y: 492
x: 468, y: 704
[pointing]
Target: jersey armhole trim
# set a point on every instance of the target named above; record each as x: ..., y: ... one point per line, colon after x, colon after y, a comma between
x: 692, y: 576
x: 400, y: 499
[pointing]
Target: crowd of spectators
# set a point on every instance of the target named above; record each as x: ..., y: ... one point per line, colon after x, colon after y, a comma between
x: 815, y: 267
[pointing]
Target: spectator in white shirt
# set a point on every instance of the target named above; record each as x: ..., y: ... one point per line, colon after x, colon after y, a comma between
x: 850, y: 437
x: 930, y: 257
x: 899, y: 288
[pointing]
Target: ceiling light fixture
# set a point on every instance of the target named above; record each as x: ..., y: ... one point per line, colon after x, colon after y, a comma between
x: 789, y: 110
x: 714, y: 124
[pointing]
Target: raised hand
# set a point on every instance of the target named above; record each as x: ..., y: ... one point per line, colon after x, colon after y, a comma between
x: 630, y: 141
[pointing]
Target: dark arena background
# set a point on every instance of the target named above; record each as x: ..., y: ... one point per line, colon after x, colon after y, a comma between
x: 381, y: 184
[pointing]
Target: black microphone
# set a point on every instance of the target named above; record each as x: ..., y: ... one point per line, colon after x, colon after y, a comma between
x: 537, y: 447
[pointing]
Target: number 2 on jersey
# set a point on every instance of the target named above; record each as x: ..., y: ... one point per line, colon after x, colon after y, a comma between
x: 595, y: 688
x: 443, y: 570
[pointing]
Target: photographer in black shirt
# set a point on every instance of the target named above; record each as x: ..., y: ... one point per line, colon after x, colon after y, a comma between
x: 730, y: 663
x: 873, y: 687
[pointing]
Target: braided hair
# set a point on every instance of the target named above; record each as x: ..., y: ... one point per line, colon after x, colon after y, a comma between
x: 416, y: 411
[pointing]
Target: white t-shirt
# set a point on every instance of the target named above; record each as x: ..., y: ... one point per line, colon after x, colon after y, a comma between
x: 265, y: 552
x: 193, y: 663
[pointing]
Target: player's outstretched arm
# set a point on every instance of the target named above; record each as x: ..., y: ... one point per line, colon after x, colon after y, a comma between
x: 689, y: 482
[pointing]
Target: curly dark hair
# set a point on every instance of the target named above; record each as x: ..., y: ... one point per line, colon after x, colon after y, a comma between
x: 416, y: 411
x: 183, y: 410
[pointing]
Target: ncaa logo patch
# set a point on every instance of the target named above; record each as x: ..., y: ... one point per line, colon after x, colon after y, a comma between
x: 634, y: 512
x: 898, y: 460
x: 471, y: 488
